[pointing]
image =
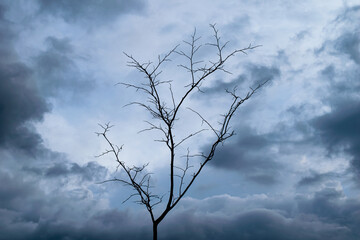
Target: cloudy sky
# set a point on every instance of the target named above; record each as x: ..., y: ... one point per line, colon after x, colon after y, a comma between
x: 291, y: 171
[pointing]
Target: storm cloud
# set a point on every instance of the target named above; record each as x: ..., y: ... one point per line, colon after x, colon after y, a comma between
x: 57, y: 71
x: 253, y: 76
x: 250, y: 154
x: 96, y: 12
x: 17, y: 91
x: 339, y: 129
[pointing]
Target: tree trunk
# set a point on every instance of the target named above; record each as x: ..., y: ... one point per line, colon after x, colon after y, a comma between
x: 155, y: 225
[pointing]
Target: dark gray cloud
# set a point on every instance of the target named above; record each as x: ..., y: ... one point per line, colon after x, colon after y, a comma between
x: 62, y: 169
x: 41, y: 208
x: 347, y: 42
x: 16, y: 92
x: 260, y: 74
x: 93, y: 11
x: 315, y: 178
x: 28, y: 212
x: 107, y: 225
x: 25, y: 185
x: 250, y: 154
x: 57, y: 71
x: 330, y: 206
x: 339, y: 129
x: 255, y: 74
x: 91, y: 171
x: 20, y: 102
x: 13, y: 193
x: 7, y: 36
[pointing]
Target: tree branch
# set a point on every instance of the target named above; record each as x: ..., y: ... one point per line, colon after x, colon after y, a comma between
x: 167, y: 114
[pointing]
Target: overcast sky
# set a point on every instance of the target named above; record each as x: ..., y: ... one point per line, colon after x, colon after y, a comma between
x: 292, y: 170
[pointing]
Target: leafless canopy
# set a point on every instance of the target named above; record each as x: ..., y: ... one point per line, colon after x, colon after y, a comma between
x: 166, y: 115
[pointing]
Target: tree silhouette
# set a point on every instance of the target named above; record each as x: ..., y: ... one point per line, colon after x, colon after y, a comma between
x: 165, y: 117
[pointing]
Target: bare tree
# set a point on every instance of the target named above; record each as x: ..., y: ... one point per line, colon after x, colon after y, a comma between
x: 165, y: 116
